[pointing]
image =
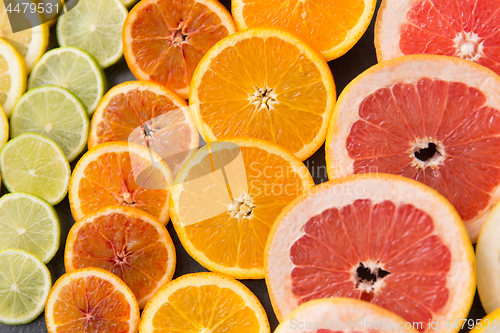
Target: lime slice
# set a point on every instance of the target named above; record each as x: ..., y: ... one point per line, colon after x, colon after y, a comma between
x: 24, y: 286
x: 55, y: 113
x: 96, y: 27
x: 35, y: 164
x: 73, y: 69
x: 12, y: 76
x: 29, y: 223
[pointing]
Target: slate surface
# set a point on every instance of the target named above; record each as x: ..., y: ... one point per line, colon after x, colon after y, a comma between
x: 344, y: 70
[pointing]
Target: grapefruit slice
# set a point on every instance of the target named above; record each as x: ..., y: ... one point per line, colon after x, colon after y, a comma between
x: 461, y: 28
x: 163, y: 40
x: 127, y: 242
x: 148, y: 114
x: 331, y: 27
x: 120, y: 173
x: 380, y: 238
x: 91, y: 300
x: 432, y: 118
x: 225, y: 200
x: 204, y: 302
x: 343, y: 315
x: 264, y: 83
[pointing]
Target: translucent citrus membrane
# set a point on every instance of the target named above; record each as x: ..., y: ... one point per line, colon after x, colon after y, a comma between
x: 91, y: 304
x: 451, y: 115
x: 206, y: 308
x: 323, y: 24
x: 231, y: 213
x: 263, y: 88
x: 384, y: 253
x: 171, y: 37
x: 123, y: 178
x: 465, y: 29
x: 126, y: 246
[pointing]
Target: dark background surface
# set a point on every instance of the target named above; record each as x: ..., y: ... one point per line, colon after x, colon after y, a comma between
x: 345, y: 69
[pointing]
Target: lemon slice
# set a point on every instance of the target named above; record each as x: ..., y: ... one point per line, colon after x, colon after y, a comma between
x: 12, y: 76
x: 4, y: 128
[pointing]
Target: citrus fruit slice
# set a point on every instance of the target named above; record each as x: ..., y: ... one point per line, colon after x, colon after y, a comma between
x: 488, y: 262
x: 35, y: 164
x: 30, y: 43
x: 431, y: 118
x: 488, y: 324
x: 127, y: 242
x: 94, y: 26
x: 204, y: 302
x: 72, y: 69
x: 164, y: 40
x: 24, y: 286
x: 245, y: 87
x: 12, y: 76
x: 120, y: 173
x: 4, y: 128
x: 380, y: 238
x: 53, y: 112
x: 331, y: 27
x: 461, y: 28
x: 91, y: 300
x: 148, y: 114
x: 343, y: 315
x: 29, y: 223
x: 225, y: 227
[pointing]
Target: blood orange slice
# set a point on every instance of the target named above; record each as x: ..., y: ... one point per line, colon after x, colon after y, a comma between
x: 91, y: 300
x: 381, y: 238
x: 431, y: 118
x: 148, y: 114
x: 163, y: 40
x: 466, y: 29
x: 341, y: 315
x: 127, y: 242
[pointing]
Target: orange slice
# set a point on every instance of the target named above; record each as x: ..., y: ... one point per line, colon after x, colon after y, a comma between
x: 120, y: 173
x: 343, y: 315
x: 431, y: 118
x: 224, y: 224
x: 148, y: 114
x: 127, y: 242
x: 91, y: 300
x: 163, y: 40
x: 332, y: 27
x: 264, y: 83
x: 381, y: 238
x: 204, y: 302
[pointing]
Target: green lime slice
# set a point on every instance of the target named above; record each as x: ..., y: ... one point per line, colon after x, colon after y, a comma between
x: 29, y: 223
x: 73, y: 69
x: 24, y: 286
x: 35, y: 164
x: 94, y: 26
x: 55, y: 113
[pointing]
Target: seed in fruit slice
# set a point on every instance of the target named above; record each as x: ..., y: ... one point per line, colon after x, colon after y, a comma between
x: 129, y: 243
x: 461, y: 28
x: 487, y: 324
x: 24, y: 285
x: 12, y: 76
x: 4, y: 128
x: 94, y: 26
x: 431, y: 118
x: 164, y: 40
x: 224, y: 225
x: 343, y: 315
x: 72, y: 69
x: 245, y: 87
x: 35, y: 164
x: 91, y: 299
x: 148, y: 114
x: 204, y: 302
x: 53, y: 112
x: 120, y: 173
x: 29, y: 223
x: 380, y: 238
x: 331, y: 27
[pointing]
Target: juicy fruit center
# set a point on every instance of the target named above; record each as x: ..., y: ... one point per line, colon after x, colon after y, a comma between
x: 263, y: 98
x: 368, y: 278
x: 469, y: 46
x: 427, y: 154
x: 241, y: 208
x: 177, y: 35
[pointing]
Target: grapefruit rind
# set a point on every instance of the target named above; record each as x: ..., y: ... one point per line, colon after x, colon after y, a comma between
x: 448, y: 225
